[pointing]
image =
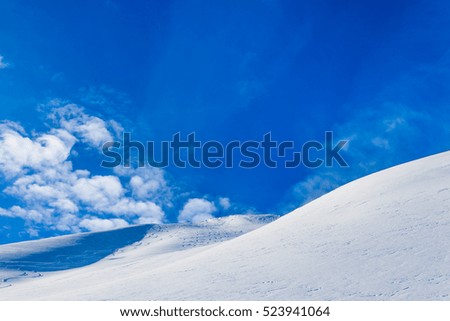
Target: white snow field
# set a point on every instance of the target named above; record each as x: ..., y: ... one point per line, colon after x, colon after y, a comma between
x: 383, y: 237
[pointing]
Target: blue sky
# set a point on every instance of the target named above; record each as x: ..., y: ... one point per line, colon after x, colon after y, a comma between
x: 73, y: 74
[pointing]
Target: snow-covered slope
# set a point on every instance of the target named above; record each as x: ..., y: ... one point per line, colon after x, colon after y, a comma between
x: 384, y: 237
x: 22, y: 261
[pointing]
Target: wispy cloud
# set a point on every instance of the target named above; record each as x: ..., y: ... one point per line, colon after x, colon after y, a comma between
x: 225, y: 203
x: 91, y: 130
x: 378, y: 138
x: 103, y: 96
x: 3, y: 64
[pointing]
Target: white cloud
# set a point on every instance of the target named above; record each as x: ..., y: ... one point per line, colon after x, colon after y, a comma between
x: 64, y: 205
x: 3, y: 64
x: 19, y: 152
x: 98, y: 192
x: 196, y: 210
x: 50, y: 193
x: 143, y: 188
x: 380, y: 142
x: 116, y: 128
x: 89, y: 129
x: 147, y: 211
x: 29, y: 215
x: 224, y: 202
x: 97, y: 224
x: 67, y: 223
x: 146, y: 183
x: 315, y: 186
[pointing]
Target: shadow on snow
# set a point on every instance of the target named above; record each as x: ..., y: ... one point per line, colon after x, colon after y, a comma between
x: 87, y: 249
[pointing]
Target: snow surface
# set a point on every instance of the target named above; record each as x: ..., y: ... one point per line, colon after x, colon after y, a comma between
x: 383, y: 237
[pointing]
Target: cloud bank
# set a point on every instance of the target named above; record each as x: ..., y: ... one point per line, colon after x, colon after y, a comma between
x: 49, y: 192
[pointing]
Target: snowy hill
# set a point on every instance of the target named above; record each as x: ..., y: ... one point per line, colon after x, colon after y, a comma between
x: 383, y: 237
x: 26, y: 260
